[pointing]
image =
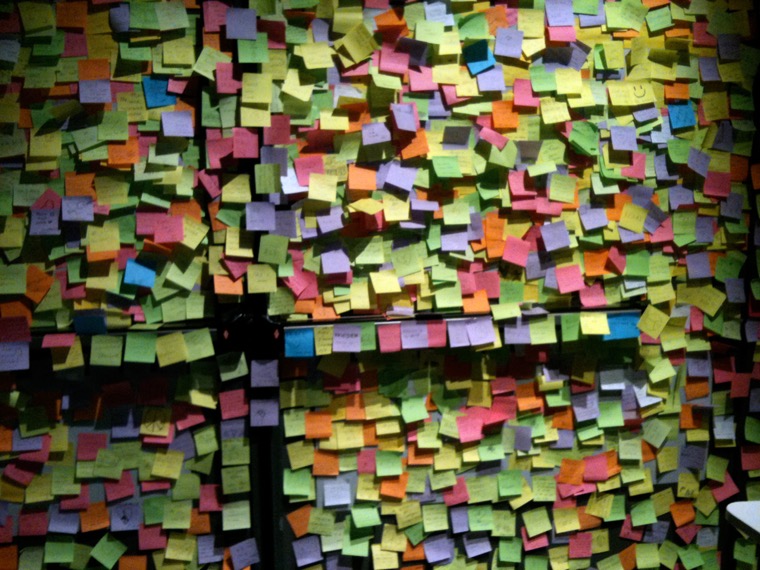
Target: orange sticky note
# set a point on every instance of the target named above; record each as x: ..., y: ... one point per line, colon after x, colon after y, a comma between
x: 318, y: 425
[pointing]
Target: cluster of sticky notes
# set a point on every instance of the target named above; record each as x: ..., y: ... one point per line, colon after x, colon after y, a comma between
x: 127, y: 468
x: 430, y: 158
x: 102, y: 225
x: 569, y: 455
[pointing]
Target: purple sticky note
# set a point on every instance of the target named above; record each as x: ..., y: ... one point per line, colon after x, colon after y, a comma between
x: 565, y: 441
x: 330, y: 219
x: 185, y: 443
x: 125, y: 423
x: 244, y: 553
x: 264, y: 412
x: 285, y: 224
x: 693, y: 457
x: 457, y: 333
x: 585, y: 406
x: 177, y: 124
x: 64, y: 523
x: 646, y: 114
x: 14, y: 356
x: 517, y: 332
x: 698, y: 161
x: 708, y: 68
x: 400, y: 177
x: 118, y: 17
x: 264, y: 374
x: 509, y: 42
x: 523, y: 437
x: 307, y: 550
x: 492, y: 80
x: 77, y: 209
x: 375, y: 133
x: 593, y: 218
x: 480, y: 331
x: 347, y: 338
x: 454, y: 240
x: 555, y: 236
x: 731, y: 207
x: 623, y: 138
x: 241, y: 24
x: 126, y: 516
x: 414, y: 335
x: 729, y: 47
x: 460, y: 521
x: 405, y: 116
x: 735, y: 291
x: 259, y: 217
x: 475, y: 546
x: 663, y: 170
x: 208, y: 552
x: 335, y: 261
x: 560, y: 12
x: 232, y: 429
x: 95, y: 91
x: 45, y: 222
x: 680, y: 196
x: 438, y: 548
x: 698, y: 265
x: 705, y: 229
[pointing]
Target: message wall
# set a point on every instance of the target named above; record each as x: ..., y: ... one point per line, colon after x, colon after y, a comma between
x: 512, y: 244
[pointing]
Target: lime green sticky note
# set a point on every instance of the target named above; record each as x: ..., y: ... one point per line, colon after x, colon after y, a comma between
x: 717, y: 467
x: 690, y: 557
x: 456, y: 213
x: 106, y: 350
x: 510, y: 483
x: 365, y: 516
x: 510, y: 550
x: 435, y: 517
x: 388, y: 464
x: 231, y: 365
x: 297, y: 482
x: 537, y: 522
x: 643, y: 513
x: 108, y: 465
x: 13, y: 280
x: 236, y: 515
x: 480, y: 518
x: 273, y: 249
x: 199, y: 344
x: 177, y: 514
x: 752, y: 429
x: 562, y: 188
x: 610, y: 414
x: 413, y: 409
x: 108, y: 550
x: 187, y: 487
x: 140, y: 347
x: 59, y: 550
x: 647, y: 555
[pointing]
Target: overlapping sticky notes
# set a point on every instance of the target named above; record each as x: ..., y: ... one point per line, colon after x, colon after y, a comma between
x: 120, y: 462
x: 571, y: 453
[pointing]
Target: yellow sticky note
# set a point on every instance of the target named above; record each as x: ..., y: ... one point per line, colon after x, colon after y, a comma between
x: 171, y: 349
x: 594, y: 323
x: 653, y: 321
x: 633, y: 217
x: 323, y: 187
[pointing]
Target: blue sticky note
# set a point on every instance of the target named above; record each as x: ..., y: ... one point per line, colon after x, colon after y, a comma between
x: 622, y: 326
x: 139, y: 274
x: 299, y: 343
x: 681, y: 116
x: 478, y: 57
x: 156, y: 94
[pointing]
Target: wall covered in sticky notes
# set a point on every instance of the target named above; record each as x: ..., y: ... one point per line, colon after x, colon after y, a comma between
x: 576, y: 454
x: 563, y: 189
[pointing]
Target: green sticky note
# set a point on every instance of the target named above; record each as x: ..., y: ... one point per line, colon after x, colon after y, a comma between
x: 435, y: 517
x: 114, y: 126
x: 298, y: 482
x: 236, y: 515
x: 13, y: 280
x: 510, y: 550
x: 108, y: 465
x: 106, y: 350
x: 199, y: 344
x: 690, y: 557
x: 510, y: 483
x: 456, y: 213
x: 187, y: 487
x: 140, y: 347
x: 388, y: 464
x: 537, y: 522
x: 643, y: 513
x: 717, y: 467
x: 480, y: 518
x: 231, y: 365
x: 562, y: 188
x: 273, y: 249
x: 446, y: 167
x: 177, y: 514
x: 365, y: 516
x: 108, y: 550
x: 236, y: 480
x: 610, y: 414
x: 413, y: 409
x: 647, y: 555
x: 617, y: 512
x: 59, y: 549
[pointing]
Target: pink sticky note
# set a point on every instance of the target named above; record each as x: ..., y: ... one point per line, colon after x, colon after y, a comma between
x: 688, y: 532
x: 211, y: 498
x: 436, y: 331
x: 538, y: 541
x: 516, y: 251
x: 569, y: 279
x: 389, y: 337
x: 496, y: 139
x: 156, y: 440
x: 593, y: 296
x: 470, y: 429
x: 233, y: 404
x: 48, y: 200
x: 718, y: 184
x: 457, y: 494
x: 279, y: 130
x: 637, y: 168
x: 78, y: 503
x: 524, y: 95
x: 488, y: 281
x: 58, y: 340
x: 151, y: 537
x: 236, y: 267
x: 172, y: 230
x: 365, y: 461
x: 121, y: 489
x: 392, y: 61
x: 211, y: 183
x: 306, y: 165
x: 580, y: 545
x: 226, y: 82
x: 217, y: 151
x: 562, y: 33
x: 88, y: 445
x: 422, y: 80
x: 628, y: 531
x: 596, y: 468
x: 245, y: 143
